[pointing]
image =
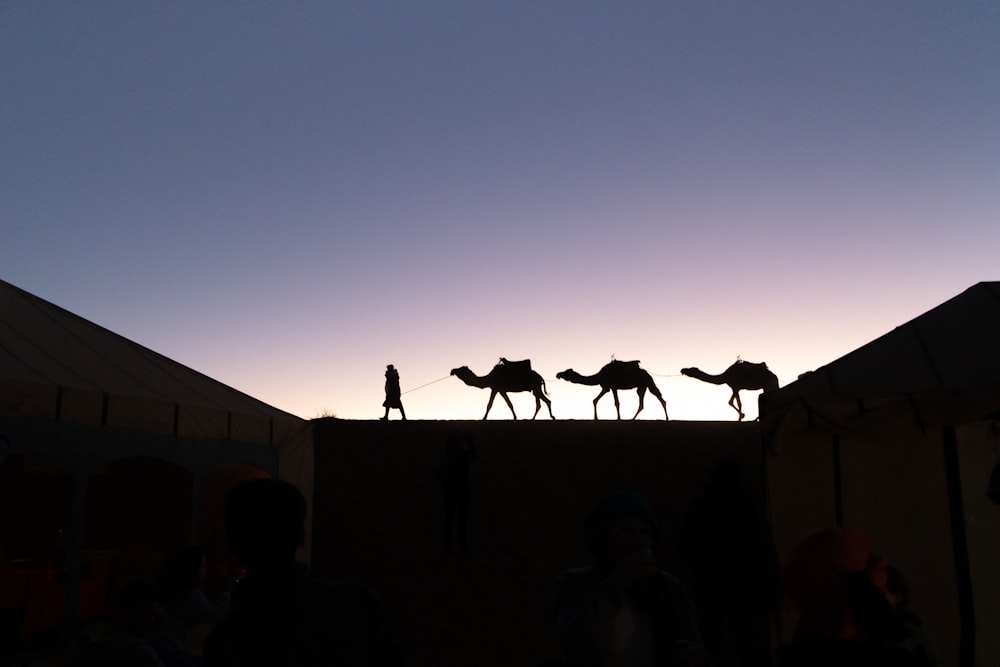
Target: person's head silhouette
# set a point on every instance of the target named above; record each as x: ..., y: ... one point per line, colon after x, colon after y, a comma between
x: 618, y: 526
x: 265, y: 523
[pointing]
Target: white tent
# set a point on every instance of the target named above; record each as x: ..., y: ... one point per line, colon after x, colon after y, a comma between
x: 899, y: 438
x: 79, y: 396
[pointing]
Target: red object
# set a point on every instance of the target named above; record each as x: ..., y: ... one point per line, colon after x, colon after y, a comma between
x: 40, y: 597
x: 814, y: 580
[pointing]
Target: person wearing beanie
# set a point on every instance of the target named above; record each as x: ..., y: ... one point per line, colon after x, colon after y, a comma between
x: 622, y: 609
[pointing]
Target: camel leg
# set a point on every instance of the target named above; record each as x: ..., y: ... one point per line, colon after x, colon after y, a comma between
x: 739, y: 404
x: 642, y: 398
x: 603, y: 392
x: 618, y: 406
x: 489, y: 405
x: 539, y: 397
x: 659, y: 396
x: 510, y: 405
x: 538, y: 404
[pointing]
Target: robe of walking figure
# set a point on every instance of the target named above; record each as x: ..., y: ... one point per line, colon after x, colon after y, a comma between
x: 392, y: 392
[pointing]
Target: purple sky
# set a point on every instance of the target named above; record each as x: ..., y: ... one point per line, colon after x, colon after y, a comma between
x: 289, y: 196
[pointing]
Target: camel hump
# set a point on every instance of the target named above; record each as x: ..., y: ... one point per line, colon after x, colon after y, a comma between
x: 747, y: 365
x: 523, y: 365
x: 617, y: 368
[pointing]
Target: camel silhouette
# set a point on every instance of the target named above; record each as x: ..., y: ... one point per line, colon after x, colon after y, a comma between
x: 618, y: 375
x: 508, y: 376
x: 741, y: 375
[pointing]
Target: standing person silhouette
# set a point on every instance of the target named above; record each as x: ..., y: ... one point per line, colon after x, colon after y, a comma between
x: 392, y: 392
x: 734, y: 566
x: 453, y: 471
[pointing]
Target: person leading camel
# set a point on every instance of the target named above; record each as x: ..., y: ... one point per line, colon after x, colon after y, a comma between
x: 392, y: 392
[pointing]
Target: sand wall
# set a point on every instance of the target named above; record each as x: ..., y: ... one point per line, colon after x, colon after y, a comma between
x: 378, y: 518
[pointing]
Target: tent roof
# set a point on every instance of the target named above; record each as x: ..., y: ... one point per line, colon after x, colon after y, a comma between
x: 56, y: 364
x: 940, y: 367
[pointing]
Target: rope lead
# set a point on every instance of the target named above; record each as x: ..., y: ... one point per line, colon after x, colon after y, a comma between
x: 425, y: 385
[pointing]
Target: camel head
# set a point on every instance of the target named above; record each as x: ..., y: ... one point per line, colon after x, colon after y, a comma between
x: 689, y: 371
x: 461, y: 370
x: 562, y: 375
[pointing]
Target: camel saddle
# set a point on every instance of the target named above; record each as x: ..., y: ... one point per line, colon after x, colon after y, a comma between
x: 523, y: 365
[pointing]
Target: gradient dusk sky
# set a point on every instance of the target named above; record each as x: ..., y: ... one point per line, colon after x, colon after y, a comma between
x: 287, y: 196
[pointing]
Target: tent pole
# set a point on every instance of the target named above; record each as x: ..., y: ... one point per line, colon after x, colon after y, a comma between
x: 960, y: 550
x: 74, y: 556
x: 195, y: 509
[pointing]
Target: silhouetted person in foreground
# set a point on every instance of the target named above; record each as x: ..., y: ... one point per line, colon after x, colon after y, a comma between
x: 453, y: 471
x: 727, y: 546
x: 838, y: 586
x: 622, y: 609
x: 392, y: 392
x: 280, y: 615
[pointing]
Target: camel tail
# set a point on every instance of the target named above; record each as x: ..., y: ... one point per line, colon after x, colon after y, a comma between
x: 651, y: 384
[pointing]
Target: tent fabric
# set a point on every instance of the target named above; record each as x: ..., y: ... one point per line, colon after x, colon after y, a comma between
x: 941, y: 368
x: 898, y: 438
x: 44, y: 347
x: 56, y: 366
